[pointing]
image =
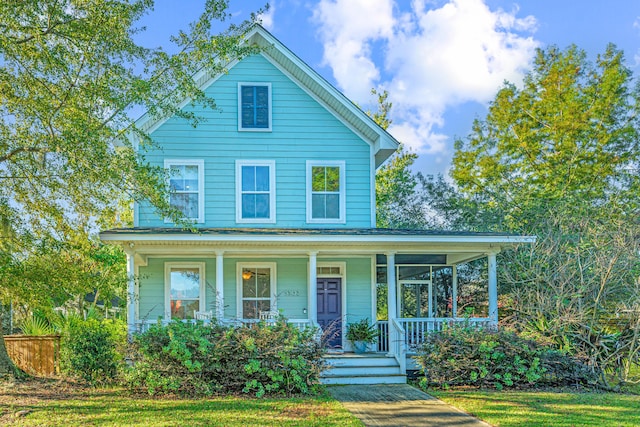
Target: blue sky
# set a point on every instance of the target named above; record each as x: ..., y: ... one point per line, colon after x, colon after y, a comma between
x: 442, y: 61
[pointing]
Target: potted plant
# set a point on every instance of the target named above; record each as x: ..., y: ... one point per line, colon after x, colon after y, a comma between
x: 361, y: 334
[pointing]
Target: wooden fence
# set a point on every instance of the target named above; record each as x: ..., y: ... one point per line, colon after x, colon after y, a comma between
x: 36, y: 355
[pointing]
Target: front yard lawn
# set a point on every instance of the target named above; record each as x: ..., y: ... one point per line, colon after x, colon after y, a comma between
x: 531, y: 409
x: 50, y: 403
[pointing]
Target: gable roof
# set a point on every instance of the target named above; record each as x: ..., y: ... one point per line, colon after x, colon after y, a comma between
x: 383, y: 144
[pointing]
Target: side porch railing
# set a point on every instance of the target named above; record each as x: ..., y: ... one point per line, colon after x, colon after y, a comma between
x: 144, y: 325
x: 416, y: 329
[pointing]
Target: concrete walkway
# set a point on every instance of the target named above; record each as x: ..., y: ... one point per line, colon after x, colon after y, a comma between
x: 400, y: 405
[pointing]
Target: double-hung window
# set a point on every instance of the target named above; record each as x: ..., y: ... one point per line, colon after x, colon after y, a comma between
x: 255, y: 191
x: 254, y: 106
x: 256, y: 289
x: 184, y: 289
x: 186, y: 186
x: 326, y: 191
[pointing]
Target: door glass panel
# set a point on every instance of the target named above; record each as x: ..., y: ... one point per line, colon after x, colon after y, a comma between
x: 414, y: 300
x: 443, y: 291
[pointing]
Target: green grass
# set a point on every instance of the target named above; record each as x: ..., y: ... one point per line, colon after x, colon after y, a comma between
x: 113, y: 408
x: 531, y: 409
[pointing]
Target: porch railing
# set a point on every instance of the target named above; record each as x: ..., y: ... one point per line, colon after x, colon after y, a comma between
x: 416, y: 329
x: 144, y: 325
x: 399, y: 345
x: 383, y: 336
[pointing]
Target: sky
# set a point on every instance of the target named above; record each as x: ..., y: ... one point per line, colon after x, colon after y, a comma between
x: 442, y: 61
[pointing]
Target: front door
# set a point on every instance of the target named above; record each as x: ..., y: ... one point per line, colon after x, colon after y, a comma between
x: 330, y: 311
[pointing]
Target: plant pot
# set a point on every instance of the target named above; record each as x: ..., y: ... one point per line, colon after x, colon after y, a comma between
x: 360, y: 347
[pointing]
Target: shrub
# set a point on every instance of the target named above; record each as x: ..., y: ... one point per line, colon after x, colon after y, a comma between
x: 92, y: 349
x: 465, y: 356
x: 199, y: 359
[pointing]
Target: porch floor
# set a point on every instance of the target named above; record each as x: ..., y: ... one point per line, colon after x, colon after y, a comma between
x: 400, y: 405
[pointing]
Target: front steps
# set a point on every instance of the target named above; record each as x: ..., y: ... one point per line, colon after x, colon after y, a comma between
x: 366, y: 368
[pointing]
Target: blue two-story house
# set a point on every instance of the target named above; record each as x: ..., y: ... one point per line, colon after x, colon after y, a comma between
x: 280, y: 183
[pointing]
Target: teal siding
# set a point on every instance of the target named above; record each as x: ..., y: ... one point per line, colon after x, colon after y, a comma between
x: 358, y: 288
x: 151, y: 286
x: 302, y: 130
x: 291, y: 286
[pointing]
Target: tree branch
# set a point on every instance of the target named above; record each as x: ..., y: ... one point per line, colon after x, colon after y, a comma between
x: 19, y: 150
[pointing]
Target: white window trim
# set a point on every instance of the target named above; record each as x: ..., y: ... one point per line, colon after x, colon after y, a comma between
x: 272, y: 191
x: 189, y: 162
x: 243, y: 129
x: 239, y: 267
x: 167, y: 284
x: 343, y: 191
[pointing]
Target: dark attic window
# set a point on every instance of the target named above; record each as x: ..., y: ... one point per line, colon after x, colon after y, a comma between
x: 255, y: 106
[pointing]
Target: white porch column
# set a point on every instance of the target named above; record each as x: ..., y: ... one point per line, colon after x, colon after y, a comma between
x: 312, y: 300
x: 392, y: 308
x: 493, y: 289
x: 219, y: 285
x: 454, y: 292
x: 131, y: 292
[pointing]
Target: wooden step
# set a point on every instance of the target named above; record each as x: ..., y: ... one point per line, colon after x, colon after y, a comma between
x: 367, y: 368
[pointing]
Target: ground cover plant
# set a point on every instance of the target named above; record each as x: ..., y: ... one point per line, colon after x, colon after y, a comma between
x: 56, y: 403
x: 205, y: 359
x: 546, y: 408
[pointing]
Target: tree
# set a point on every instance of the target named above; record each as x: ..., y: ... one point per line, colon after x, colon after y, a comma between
x: 558, y: 158
x: 70, y: 75
x: 398, y: 201
x: 571, y: 133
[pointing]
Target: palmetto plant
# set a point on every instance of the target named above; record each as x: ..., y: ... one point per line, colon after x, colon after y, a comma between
x: 35, y: 325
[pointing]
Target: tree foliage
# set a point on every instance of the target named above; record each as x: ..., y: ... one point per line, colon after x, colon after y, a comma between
x: 558, y: 158
x: 571, y: 133
x: 71, y: 74
x: 398, y: 201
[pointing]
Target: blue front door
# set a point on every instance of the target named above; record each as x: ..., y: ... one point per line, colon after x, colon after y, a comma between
x: 330, y: 311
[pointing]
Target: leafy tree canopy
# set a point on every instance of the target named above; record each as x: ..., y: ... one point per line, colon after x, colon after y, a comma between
x: 558, y: 158
x: 569, y: 134
x: 398, y: 200
x: 71, y: 74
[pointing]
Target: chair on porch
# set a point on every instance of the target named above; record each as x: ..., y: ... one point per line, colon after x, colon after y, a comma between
x: 269, y: 316
x: 202, y: 315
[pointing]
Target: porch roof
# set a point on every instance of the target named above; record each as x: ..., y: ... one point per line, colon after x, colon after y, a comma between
x: 458, y: 245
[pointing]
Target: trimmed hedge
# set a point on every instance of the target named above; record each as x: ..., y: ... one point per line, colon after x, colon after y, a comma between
x: 93, y: 349
x: 205, y: 359
x: 496, y: 359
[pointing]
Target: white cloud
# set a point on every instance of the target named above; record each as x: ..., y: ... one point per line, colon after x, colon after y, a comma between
x: 267, y: 18
x: 431, y: 58
x: 347, y: 28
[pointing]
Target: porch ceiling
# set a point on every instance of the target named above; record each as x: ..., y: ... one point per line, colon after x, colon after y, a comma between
x: 459, y: 247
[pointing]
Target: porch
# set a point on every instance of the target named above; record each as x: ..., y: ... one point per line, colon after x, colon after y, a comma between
x: 323, y: 278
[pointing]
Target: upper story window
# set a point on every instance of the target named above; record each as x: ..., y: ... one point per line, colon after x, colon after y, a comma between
x: 186, y: 183
x: 325, y: 191
x: 255, y: 191
x: 254, y: 106
x: 184, y: 289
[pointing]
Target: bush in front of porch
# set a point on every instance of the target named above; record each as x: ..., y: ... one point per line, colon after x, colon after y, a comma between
x: 205, y: 359
x: 462, y: 355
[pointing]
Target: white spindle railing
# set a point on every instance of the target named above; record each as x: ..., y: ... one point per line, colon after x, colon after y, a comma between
x: 399, y: 346
x: 383, y: 336
x: 144, y: 325
x: 416, y: 329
